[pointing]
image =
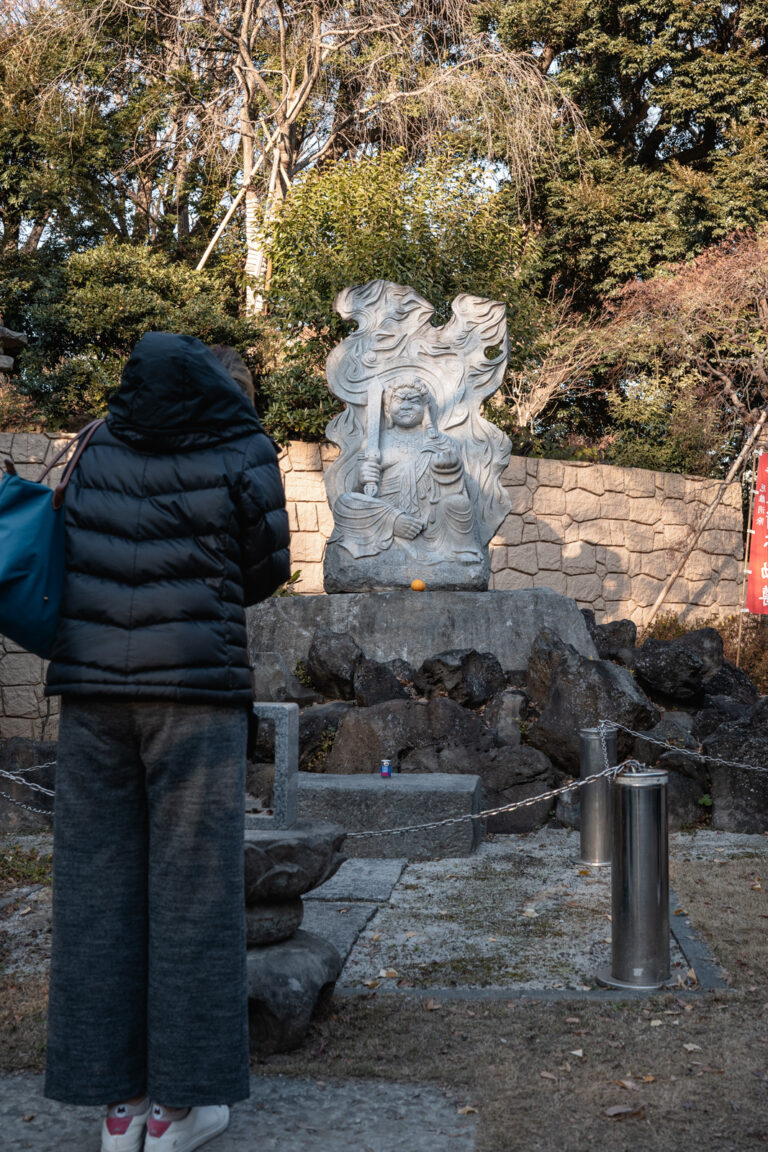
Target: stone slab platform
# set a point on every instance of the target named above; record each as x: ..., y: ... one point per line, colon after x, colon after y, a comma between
x: 414, y: 626
x: 368, y: 802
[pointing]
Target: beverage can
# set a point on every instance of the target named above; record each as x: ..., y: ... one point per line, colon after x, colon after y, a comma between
x: 386, y: 768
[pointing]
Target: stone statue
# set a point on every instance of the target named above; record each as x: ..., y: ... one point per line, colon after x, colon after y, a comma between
x: 416, y: 491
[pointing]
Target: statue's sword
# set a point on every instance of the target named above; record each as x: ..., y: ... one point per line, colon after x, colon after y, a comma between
x: 373, y: 453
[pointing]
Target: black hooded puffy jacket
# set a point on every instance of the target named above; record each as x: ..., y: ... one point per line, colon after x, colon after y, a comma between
x: 175, y: 521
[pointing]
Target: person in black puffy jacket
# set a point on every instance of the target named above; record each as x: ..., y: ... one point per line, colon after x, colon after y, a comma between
x: 175, y: 522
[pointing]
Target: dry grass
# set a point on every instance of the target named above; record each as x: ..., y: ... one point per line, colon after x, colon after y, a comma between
x: 492, y: 1057
x: 23, y: 1008
x: 727, y: 901
x: 709, y: 1095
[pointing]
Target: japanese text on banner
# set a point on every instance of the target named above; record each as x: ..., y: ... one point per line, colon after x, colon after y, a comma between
x: 757, y: 582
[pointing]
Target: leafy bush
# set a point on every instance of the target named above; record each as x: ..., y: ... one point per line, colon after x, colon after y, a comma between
x: 84, y: 315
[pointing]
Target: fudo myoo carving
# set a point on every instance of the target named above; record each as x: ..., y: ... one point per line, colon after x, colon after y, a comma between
x: 416, y: 491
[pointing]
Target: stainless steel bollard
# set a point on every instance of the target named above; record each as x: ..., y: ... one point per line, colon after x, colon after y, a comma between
x: 596, y: 797
x: 639, y: 881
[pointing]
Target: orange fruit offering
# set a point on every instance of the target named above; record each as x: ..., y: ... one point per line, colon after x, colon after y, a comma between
x: 418, y: 585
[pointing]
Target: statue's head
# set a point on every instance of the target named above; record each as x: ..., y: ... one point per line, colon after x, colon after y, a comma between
x: 408, y: 404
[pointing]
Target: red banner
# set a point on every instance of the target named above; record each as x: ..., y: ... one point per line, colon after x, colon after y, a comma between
x: 757, y: 581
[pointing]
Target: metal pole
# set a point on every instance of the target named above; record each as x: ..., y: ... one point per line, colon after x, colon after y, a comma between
x: 596, y: 797
x: 639, y: 882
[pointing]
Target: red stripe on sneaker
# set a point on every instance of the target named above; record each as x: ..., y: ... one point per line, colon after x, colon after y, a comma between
x: 118, y: 1125
x: 158, y: 1127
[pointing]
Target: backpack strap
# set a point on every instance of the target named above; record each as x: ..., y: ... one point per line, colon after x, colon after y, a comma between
x: 81, y: 440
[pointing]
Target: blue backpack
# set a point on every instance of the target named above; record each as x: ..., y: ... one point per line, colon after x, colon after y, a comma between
x: 32, y: 551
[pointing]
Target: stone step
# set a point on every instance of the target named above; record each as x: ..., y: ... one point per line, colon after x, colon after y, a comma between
x: 369, y: 802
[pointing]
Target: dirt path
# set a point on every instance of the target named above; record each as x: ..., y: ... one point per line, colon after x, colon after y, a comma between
x: 672, y: 1073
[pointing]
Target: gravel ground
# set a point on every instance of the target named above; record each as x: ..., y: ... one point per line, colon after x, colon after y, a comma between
x: 519, y: 912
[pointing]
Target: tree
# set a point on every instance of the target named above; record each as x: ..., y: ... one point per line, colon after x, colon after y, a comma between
x: 687, y: 352
x: 85, y: 314
x: 276, y: 88
x: 440, y: 229
x: 677, y: 94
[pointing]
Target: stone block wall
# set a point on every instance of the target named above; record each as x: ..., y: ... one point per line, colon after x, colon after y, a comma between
x: 605, y: 536
x: 609, y: 537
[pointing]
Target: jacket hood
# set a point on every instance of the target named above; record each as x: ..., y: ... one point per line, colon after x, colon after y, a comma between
x: 176, y: 396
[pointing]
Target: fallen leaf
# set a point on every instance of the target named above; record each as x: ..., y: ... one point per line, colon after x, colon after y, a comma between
x: 624, y: 1111
x: 389, y: 974
x: 654, y: 1023
x: 680, y: 912
x: 376, y: 936
x: 756, y: 886
x: 408, y: 935
x: 25, y: 912
x: 548, y: 1075
x: 529, y: 912
x: 630, y: 1085
x: 431, y: 1005
x: 576, y: 1020
x: 691, y: 975
x: 692, y: 1047
x: 648, y: 1079
x: 584, y: 872
x: 371, y: 983
x: 28, y: 1117
x: 467, y: 1110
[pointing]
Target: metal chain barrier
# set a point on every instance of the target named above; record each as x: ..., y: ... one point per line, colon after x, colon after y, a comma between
x: 603, y: 726
x: 16, y: 779
x: 683, y: 751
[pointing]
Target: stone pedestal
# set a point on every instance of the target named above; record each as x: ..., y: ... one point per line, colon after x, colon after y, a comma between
x: 289, y: 972
x: 414, y: 626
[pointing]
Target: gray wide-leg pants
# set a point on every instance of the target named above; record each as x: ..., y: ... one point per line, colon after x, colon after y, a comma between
x: 148, y: 982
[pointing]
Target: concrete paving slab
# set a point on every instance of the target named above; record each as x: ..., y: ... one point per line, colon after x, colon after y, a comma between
x: 337, y: 922
x: 282, y: 1115
x: 361, y: 880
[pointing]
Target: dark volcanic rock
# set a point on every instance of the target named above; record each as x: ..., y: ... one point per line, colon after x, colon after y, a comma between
x: 669, y: 668
x: 283, y: 863
x: 615, y: 640
x: 503, y: 715
x: 369, y: 735
x: 287, y: 984
x: 717, y: 710
x: 509, y: 774
x: 683, y: 796
x: 269, y: 923
x: 468, y: 677
x: 740, y: 795
x: 317, y: 728
x: 331, y: 663
x: 375, y: 683
x: 572, y: 692
x: 271, y: 680
x: 524, y: 819
x: 668, y: 731
x: 707, y: 643
x: 731, y: 681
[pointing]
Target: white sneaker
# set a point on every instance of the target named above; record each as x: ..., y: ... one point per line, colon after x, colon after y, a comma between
x: 123, y: 1133
x: 197, y: 1127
